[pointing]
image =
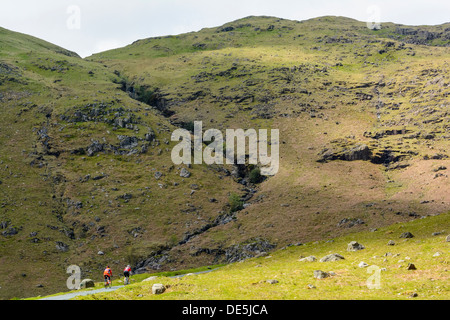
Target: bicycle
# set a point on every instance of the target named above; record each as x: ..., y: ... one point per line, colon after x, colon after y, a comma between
x: 126, y: 278
x: 107, y: 282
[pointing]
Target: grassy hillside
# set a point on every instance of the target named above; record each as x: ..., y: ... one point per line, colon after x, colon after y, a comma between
x: 85, y: 171
x: 329, y: 84
x: 78, y: 172
x: 427, y: 250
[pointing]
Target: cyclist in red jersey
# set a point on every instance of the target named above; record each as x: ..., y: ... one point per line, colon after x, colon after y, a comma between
x: 107, y: 274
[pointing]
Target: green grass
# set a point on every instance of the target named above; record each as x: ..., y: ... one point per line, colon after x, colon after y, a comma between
x: 247, y: 280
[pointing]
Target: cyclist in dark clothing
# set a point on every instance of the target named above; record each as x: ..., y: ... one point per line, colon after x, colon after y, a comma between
x: 126, y: 273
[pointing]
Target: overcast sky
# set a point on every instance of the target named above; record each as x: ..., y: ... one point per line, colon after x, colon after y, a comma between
x: 90, y: 26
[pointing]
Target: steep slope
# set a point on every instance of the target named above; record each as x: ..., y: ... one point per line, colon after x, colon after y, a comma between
x: 85, y: 168
x: 363, y: 116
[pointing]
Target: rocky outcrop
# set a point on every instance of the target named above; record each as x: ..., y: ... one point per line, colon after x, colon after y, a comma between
x: 416, y: 35
x: 353, y: 153
x: 154, y: 262
x: 61, y: 246
x: 128, y: 145
x: 247, y: 250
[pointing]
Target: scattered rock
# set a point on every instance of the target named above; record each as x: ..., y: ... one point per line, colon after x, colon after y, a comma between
x: 440, y: 168
x: 406, y: 235
x: 61, y: 246
x: 332, y: 257
x: 149, y: 136
x: 272, y: 281
x: 94, y: 148
x: 362, y: 264
x: 128, y: 142
x: 318, y: 274
x: 100, y: 253
x: 413, y: 295
x: 185, y: 173
x: 348, y: 223
x: 411, y: 266
x: 391, y: 243
x: 354, y: 246
x: 99, y: 177
x: 448, y: 238
x: 11, y: 231
x: 310, y: 259
x: 87, y: 283
x: 310, y: 286
x: 126, y: 196
x: 158, y: 288
x: 227, y: 29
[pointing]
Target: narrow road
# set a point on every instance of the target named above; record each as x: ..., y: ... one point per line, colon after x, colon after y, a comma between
x: 72, y: 295
x: 69, y: 296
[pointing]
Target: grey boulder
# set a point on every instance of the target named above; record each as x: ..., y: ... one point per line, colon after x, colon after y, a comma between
x: 87, y: 283
x: 354, y: 246
x: 158, y: 288
x: 332, y: 257
x: 319, y: 274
